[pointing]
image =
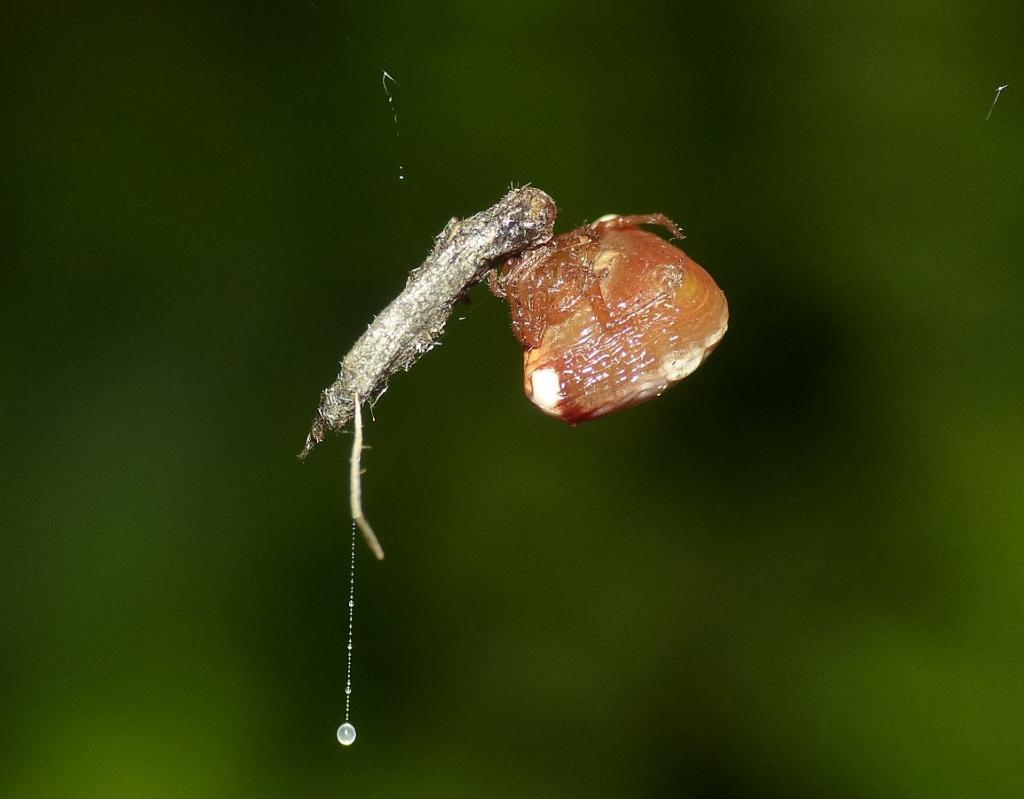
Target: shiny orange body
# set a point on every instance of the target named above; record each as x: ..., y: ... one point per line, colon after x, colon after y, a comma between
x: 609, y: 315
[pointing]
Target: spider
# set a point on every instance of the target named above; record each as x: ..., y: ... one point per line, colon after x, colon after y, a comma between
x: 609, y: 315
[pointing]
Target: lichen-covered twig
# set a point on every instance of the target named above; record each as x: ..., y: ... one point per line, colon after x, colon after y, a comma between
x: 463, y: 254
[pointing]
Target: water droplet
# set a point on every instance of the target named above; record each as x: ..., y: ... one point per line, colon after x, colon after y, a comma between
x: 350, y: 645
x: 348, y: 689
x: 346, y: 734
x: 351, y: 603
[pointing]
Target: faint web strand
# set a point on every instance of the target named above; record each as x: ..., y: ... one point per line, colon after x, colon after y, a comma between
x: 999, y: 91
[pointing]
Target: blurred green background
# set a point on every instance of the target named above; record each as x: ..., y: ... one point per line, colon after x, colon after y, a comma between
x: 798, y: 574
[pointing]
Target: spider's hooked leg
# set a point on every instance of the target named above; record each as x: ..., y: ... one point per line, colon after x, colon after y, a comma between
x: 355, y: 480
x: 613, y: 221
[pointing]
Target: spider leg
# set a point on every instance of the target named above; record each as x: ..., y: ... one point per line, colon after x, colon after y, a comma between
x: 633, y: 220
x: 597, y: 303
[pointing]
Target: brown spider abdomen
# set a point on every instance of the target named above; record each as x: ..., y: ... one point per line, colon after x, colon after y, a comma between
x: 611, y: 316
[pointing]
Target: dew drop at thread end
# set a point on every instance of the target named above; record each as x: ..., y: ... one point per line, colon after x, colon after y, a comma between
x: 346, y: 734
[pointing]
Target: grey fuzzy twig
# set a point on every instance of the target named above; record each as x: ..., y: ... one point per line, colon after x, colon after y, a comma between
x: 462, y: 255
